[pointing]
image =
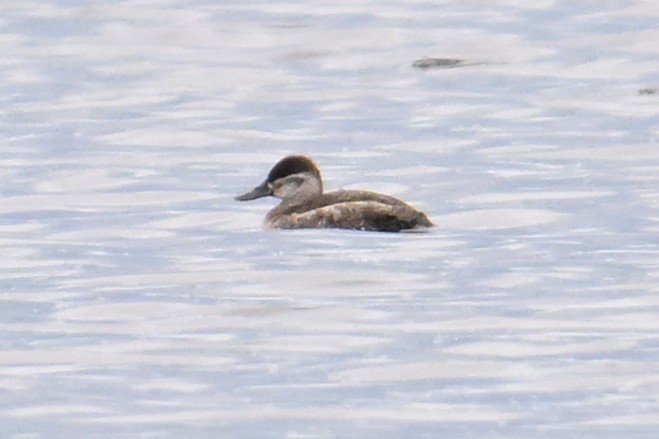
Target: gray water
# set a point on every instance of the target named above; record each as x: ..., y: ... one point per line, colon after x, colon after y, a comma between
x: 139, y: 300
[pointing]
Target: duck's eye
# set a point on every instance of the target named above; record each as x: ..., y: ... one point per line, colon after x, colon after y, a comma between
x: 284, y: 187
x: 294, y: 180
x: 291, y: 181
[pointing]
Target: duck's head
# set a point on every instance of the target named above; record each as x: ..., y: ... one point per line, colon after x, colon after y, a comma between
x: 293, y: 178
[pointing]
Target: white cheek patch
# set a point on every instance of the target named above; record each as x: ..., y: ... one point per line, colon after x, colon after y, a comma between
x: 285, y: 190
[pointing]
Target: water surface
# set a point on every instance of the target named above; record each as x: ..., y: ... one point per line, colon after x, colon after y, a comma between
x: 137, y: 299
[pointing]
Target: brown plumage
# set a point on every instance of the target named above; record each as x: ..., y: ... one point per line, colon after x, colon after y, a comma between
x: 296, y: 180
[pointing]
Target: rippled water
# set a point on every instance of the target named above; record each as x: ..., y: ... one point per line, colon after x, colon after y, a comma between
x: 137, y: 299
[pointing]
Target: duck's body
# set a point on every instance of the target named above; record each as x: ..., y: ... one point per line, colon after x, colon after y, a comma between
x: 296, y: 180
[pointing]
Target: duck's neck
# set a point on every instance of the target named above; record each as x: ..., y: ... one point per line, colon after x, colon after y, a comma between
x: 309, y: 191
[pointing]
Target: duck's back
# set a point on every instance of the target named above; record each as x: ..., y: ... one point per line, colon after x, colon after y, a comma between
x: 348, y: 196
x: 350, y: 209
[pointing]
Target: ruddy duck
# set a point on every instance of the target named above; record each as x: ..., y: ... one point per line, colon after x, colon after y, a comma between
x: 297, y: 182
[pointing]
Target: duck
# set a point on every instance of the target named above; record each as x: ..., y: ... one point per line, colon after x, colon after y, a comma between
x: 297, y: 182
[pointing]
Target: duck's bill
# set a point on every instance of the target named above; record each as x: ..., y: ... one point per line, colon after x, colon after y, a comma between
x: 259, y: 191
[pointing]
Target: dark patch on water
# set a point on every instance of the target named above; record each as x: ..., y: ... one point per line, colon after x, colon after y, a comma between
x: 438, y: 63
